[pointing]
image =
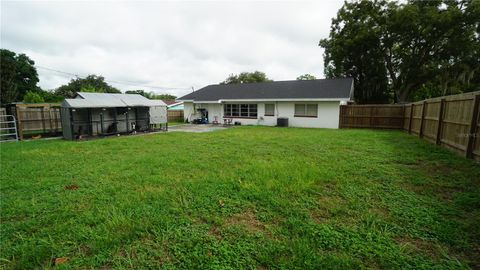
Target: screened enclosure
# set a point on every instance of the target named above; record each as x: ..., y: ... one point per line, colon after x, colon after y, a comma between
x: 102, y: 114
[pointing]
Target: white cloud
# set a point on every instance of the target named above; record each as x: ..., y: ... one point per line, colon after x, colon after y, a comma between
x: 174, y: 44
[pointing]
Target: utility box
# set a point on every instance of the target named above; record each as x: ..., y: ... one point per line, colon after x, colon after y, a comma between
x: 282, y: 122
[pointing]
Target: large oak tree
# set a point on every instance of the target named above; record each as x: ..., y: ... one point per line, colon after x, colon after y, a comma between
x: 18, y: 76
x: 405, y: 51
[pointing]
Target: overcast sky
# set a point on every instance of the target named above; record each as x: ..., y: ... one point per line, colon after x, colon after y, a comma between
x: 168, y: 44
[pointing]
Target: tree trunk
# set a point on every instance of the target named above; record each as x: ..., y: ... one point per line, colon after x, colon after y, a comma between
x: 403, y: 95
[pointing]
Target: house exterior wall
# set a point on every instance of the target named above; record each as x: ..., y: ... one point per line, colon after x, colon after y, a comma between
x: 328, y: 114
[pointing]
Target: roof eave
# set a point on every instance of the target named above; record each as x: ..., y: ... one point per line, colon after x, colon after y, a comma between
x: 268, y: 100
x: 285, y: 99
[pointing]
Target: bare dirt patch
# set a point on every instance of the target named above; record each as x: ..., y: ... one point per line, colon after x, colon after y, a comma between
x: 150, y: 189
x: 60, y: 260
x: 443, y: 192
x: 215, y: 232
x: 71, y: 187
x: 247, y: 220
x: 380, y: 212
x: 325, y: 204
x: 427, y: 167
x: 416, y: 245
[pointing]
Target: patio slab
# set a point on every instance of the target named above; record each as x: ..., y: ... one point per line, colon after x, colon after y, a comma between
x: 196, y: 128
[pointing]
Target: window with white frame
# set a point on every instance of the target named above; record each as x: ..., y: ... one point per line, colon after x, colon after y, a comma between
x: 306, y: 110
x: 240, y: 110
x: 269, y: 109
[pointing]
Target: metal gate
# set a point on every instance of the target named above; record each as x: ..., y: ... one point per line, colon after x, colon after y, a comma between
x: 8, y: 128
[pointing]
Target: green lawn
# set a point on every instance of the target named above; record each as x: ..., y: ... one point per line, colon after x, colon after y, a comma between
x: 246, y: 197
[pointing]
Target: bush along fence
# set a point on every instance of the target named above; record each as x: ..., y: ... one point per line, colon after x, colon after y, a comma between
x: 449, y: 121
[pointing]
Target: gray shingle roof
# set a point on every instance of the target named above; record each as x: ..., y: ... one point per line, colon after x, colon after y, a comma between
x: 341, y: 88
x: 107, y: 100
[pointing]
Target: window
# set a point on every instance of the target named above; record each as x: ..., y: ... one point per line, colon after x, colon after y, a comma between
x: 269, y: 109
x: 227, y: 109
x: 235, y: 111
x: 244, y: 110
x: 240, y: 110
x: 306, y: 110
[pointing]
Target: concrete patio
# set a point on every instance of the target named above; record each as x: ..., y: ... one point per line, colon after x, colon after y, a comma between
x: 196, y: 128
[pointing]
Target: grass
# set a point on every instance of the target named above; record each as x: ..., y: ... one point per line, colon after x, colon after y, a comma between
x: 246, y: 197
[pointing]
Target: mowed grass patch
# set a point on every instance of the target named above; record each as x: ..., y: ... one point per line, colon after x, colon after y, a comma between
x: 245, y: 197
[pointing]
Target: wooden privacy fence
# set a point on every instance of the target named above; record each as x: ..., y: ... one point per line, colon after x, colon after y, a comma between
x: 449, y: 121
x: 372, y: 116
x: 37, y: 119
x: 175, y: 116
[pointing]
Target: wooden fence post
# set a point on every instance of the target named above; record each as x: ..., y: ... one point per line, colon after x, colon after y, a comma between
x: 420, y: 132
x: 43, y: 120
x: 473, y: 127
x: 371, y: 116
x: 438, y: 139
x: 56, y: 119
x: 19, y: 123
x: 50, y: 118
x: 411, y: 117
x: 342, y: 113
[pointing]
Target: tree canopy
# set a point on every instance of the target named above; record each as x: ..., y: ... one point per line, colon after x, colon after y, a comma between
x: 91, y: 83
x: 405, y: 51
x: 33, y: 97
x: 165, y: 97
x: 306, y: 77
x: 19, y: 80
x: 151, y: 95
x: 247, y: 77
x: 18, y: 76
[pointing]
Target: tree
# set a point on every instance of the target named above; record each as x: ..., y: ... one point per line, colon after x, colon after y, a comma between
x: 92, y: 82
x: 247, y: 77
x: 433, y: 43
x: 353, y: 50
x: 306, y: 77
x: 394, y: 50
x: 165, y: 97
x: 33, y: 97
x: 151, y: 95
x: 50, y: 96
x: 18, y: 76
x: 140, y: 92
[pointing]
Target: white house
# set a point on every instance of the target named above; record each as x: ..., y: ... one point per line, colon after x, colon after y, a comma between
x: 310, y: 103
